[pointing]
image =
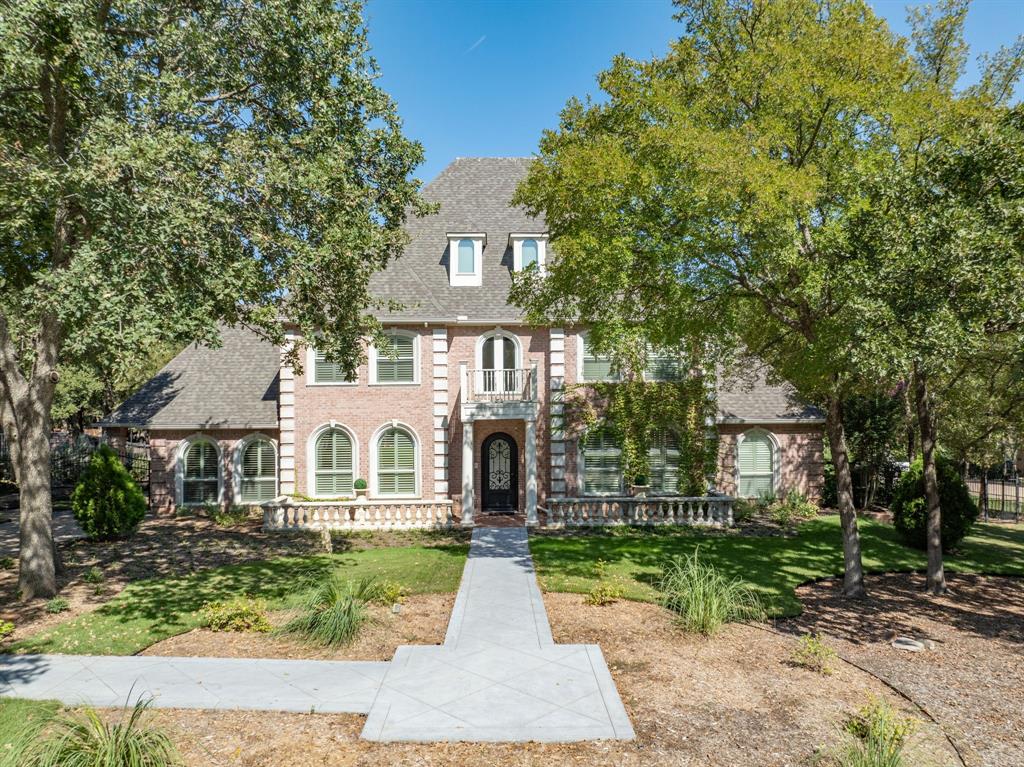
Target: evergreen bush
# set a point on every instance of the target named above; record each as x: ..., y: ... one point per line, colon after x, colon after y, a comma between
x: 910, y: 509
x: 106, y: 501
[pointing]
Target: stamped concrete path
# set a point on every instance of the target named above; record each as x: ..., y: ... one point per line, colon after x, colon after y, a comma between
x: 497, y: 677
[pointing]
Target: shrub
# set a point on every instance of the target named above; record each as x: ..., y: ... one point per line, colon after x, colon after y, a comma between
x: 604, y: 593
x: 6, y: 629
x: 910, y: 510
x: 743, y: 510
x: 106, y: 501
x: 703, y: 599
x: 93, y: 575
x: 226, y: 516
x: 333, y: 610
x: 386, y: 592
x: 359, y: 484
x: 57, y: 605
x: 7, y: 563
x: 793, y: 508
x: 879, y: 736
x: 242, y: 613
x: 812, y: 653
x: 84, y: 740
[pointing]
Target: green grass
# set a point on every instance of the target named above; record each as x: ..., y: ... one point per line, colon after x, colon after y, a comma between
x: 773, y: 566
x: 149, y: 611
x: 19, y: 721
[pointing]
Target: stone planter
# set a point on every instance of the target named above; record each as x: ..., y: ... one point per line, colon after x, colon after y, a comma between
x: 639, y: 491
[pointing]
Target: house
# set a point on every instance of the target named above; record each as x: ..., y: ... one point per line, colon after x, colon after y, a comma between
x: 461, y: 417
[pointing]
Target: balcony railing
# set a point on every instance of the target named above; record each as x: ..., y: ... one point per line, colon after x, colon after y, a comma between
x: 513, y: 385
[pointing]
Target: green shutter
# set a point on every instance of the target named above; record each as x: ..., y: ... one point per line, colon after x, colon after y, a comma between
x: 602, y: 465
x: 396, y: 362
x: 663, y: 367
x: 663, y: 462
x: 396, y: 463
x: 201, y: 476
x: 259, y: 471
x: 333, y: 471
x: 327, y: 372
x: 755, y: 466
x: 596, y: 368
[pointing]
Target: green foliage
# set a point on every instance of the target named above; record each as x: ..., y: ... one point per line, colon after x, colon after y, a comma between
x: 6, y: 629
x: 359, y: 484
x: 910, y: 509
x: 84, y: 739
x: 605, y: 593
x: 7, y: 563
x: 334, y: 610
x: 812, y: 653
x: 57, y: 605
x: 227, y: 516
x: 93, y: 575
x: 745, y: 509
x: 878, y: 737
x: 704, y: 599
x: 106, y: 502
x: 386, y: 592
x: 20, y: 724
x: 242, y: 613
x: 794, y: 508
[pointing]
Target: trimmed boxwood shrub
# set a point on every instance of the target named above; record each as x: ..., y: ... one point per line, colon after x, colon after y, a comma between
x: 106, y: 502
x: 910, y: 510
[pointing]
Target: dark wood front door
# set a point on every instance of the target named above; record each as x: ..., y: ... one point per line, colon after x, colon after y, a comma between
x: 500, y: 468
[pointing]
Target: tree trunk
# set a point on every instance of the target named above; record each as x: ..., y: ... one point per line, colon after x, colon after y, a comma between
x: 853, y: 578
x: 37, y: 575
x: 936, y: 582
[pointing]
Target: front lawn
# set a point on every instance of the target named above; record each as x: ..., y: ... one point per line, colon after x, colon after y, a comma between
x: 149, y: 611
x: 774, y: 565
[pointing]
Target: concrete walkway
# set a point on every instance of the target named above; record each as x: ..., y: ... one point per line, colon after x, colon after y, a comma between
x: 497, y: 677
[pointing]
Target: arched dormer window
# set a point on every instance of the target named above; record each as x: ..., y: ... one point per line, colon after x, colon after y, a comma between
x: 466, y: 259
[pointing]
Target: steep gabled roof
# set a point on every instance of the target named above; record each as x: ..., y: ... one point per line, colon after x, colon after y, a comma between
x: 752, y: 396
x: 474, y: 194
x: 234, y: 386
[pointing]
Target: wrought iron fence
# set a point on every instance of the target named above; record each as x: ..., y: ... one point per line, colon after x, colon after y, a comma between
x: 999, y: 491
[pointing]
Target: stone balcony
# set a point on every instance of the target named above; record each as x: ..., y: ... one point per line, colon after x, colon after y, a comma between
x: 499, y: 394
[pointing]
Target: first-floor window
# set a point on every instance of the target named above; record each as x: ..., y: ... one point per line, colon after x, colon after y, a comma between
x: 663, y: 462
x: 259, y: 471
x: 333, y: 471
x: 200, y: 473
x: 756, y: 465
x: 602, y: 464
x: 396, y: 463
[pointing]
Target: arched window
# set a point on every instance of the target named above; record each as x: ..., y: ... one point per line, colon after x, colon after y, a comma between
x: 602, y: 464
x: 396, y: 462
x: 258, y: 471
x: 498, y: 360
x: 530, y: 253
x: 200, y: 473
x: 663, y: 462
x: 333, y: 472
x: 466, y: 258
x: 396, y: 362
x: 755, y: 463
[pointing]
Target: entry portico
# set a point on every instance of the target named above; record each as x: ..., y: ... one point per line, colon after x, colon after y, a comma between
x: 510, y: 396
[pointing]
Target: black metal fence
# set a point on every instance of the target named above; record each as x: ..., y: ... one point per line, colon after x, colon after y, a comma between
x: 998, y: 491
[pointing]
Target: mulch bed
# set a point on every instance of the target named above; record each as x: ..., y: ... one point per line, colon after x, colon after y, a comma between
x: 422, y: 620
x: 730, y: 701
x: 972, y: 682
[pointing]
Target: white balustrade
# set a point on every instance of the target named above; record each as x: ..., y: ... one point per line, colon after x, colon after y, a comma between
x: 702, y: 511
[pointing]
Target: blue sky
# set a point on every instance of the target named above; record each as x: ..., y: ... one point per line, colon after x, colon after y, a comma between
x: 484, y: 78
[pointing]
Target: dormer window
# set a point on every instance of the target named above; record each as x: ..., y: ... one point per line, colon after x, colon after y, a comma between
x: 465, y: 258
x: 528, y: 250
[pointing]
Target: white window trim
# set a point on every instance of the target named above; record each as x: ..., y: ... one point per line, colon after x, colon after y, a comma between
x: 179, y: 468
x: 311, y: 372
x: 498, y: 332
x: 375, y: 493
x: 466, y: 279
x: 311, y: 455
x: 516, y: 240
x: 236, y: 464
x: 581, y: 474
x: 776, y: 451
x: 581, y: 345
x: 652, y: 354
x: 415, y: 359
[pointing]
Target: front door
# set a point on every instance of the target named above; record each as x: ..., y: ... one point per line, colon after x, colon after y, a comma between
x: 500, y: 467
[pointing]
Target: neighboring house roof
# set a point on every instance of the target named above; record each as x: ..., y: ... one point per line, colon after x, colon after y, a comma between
x: 751, y: 397
x: 474, y: 194
x: 233, y: 386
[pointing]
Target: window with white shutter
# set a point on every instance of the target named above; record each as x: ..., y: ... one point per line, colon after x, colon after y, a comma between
x: 396, y: 362
x: 200, y: 474
x: 756, y: 463
x: 396, y: 463
x: 259, y: 471
x: 663, y: 462
x: 602, y: 464
x: 333, y: 472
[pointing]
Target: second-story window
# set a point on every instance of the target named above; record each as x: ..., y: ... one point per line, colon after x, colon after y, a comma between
x: 396, y: 361
x: 467, y: 257
x: 498, y: 364
x: 325, y: 372
x: 593, y: 366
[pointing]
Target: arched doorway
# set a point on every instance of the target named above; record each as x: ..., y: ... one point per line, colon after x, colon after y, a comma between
x: 499, y: 466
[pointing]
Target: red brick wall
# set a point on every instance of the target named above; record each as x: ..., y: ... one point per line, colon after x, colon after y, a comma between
x: 800, y: 449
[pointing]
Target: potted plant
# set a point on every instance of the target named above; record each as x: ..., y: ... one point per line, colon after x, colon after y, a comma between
x: 360, y: 486
x: 639, y: 486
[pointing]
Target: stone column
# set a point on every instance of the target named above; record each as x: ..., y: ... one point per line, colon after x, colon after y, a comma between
x: 531, y: 472
x: 467, y: 474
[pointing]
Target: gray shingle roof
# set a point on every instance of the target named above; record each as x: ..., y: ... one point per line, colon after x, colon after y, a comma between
x: 474, y: 194
x: 234, y: 386
x: 752, y: 397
